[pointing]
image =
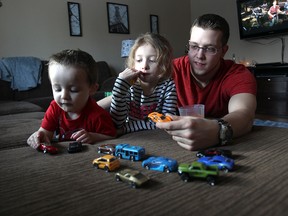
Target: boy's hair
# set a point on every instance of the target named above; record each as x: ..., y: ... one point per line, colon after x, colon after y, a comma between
x: 163, y: 51
x: 213, y: 22
x: 77, y: 59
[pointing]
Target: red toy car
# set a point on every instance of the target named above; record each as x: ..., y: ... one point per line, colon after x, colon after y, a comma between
x: 47, y: 148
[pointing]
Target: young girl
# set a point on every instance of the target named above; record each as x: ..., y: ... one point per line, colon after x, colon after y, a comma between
x: 73, y: 113
x: 145, y: 86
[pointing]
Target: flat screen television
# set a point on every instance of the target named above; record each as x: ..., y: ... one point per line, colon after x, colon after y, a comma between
x: 255, y: 21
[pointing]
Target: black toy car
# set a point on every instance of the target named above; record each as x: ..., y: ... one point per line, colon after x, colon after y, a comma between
x: 74, y: 147
x: 213, y: 152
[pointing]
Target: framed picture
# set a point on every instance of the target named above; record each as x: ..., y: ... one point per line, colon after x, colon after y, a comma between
x: 74, y: 19
x: 154, y: 24
x: 118, y: 18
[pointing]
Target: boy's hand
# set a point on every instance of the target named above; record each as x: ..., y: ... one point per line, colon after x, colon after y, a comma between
x: 36, y: 138
x: 82, y: 136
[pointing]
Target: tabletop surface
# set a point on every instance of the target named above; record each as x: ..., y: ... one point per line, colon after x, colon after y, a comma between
x: 33, y: 183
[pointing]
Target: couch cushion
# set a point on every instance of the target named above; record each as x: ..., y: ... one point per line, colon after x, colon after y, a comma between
x: 15, y: 129
x: 14, y: 107
x: 43, y: 102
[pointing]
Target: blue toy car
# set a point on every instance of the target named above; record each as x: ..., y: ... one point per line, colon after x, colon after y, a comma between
x: 161, y: 164
x: 224, y: 163
x: 129, y: 152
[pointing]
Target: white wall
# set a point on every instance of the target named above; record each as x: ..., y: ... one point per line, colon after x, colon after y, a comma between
x: 40, y: 28
x: 262, y: 51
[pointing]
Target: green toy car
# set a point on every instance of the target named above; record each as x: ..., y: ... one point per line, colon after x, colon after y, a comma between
x: 198, y: 170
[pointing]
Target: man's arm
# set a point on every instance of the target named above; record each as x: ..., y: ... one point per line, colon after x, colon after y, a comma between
x: 241, y: 114
x: 194, y: 133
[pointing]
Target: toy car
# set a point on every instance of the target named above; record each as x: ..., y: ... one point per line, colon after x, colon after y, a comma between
x: 74, y: 147
x: 134, y: 177
x: 47, y: 148
x: 223, y: 163
x: 161, y: 164
x: 129, y: 152
x: 214, y: 151
x: 107, y: 162
x: 158, y: 117
x: 196, y: 169
x: 107, y: 149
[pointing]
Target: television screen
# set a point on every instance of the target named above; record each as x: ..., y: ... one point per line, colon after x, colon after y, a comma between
x: 262, y: 18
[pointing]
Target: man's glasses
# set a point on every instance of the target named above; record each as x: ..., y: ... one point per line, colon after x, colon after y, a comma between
x: 206, y: 50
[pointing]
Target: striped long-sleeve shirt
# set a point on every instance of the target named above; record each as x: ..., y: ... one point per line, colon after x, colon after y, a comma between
x: 130, y: 107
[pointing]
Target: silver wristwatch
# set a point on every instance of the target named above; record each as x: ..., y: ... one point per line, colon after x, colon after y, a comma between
x: 225, y: 132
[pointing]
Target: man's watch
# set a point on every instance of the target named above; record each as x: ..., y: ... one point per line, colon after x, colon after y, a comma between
x: 225, y: 132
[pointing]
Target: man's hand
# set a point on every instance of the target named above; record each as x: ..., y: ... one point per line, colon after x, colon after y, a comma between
x: 192, y: 133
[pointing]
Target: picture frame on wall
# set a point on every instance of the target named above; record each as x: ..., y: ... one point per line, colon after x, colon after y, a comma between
x: 154, y: 24
x: 74, y: 19
x: 118, y: 18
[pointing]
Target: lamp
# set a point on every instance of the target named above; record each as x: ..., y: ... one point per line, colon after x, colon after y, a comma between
x: 126, y: 46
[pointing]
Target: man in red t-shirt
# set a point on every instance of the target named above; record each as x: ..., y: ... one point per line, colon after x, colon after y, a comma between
x: 228, y: 90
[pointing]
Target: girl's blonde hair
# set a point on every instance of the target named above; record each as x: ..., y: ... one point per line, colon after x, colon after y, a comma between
x: 163, y: 51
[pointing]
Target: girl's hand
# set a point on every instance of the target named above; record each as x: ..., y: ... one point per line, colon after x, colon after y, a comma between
x: 130, y: 75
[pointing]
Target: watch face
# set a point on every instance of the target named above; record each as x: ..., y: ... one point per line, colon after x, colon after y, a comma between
x: 225, y: 133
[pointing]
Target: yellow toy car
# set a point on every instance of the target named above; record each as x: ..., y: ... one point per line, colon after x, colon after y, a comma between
x: 133, y: 177
x: 107, y: 162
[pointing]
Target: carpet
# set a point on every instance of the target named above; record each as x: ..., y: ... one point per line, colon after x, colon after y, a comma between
x: 268, y: 123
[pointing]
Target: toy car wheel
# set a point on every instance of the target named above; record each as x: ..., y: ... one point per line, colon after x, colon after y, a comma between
x: 133, y: 185
x: 225, y: 169
x: 118, y: 178
x: 96, y: 166
x: 106, y: 169
x: 166, y: 170
x: 99, y: 151
x: 185, y: 177
x: 45, y: 151
x: 119, y: 156
x: 211, y: 180
x: 132, y: 158
x: 147, y: 167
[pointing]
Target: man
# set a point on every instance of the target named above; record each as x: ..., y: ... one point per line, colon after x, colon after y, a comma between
x: 273, y: 13
x: 203, y: 77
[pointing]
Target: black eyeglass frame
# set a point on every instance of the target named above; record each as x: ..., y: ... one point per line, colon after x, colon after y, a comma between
x: 205, y: 49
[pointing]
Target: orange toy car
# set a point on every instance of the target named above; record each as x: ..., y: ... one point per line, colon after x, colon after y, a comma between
x: 158, y: 117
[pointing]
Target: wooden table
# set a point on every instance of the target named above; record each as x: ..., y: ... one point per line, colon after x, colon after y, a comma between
x: 32, y: 183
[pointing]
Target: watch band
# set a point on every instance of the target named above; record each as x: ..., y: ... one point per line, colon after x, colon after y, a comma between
x: 225, y: 132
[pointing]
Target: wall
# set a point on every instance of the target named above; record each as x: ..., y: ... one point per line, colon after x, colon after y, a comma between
x: 40, y: 28
x: 262, y: 51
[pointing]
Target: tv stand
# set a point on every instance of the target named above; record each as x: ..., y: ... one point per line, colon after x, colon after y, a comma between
x: 272, y: 91
x: 272, y: 64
